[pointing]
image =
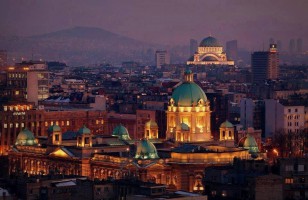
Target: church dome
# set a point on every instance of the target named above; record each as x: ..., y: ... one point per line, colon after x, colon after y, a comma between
x: 209, y: 42
x: 188, y: 94
x: 226, y: 124
x: 248, y: 142
x: 146, y: 150
x: 121, y: 132
x: 25, y: 138
x: 84, y: 130
x: 151, y: 124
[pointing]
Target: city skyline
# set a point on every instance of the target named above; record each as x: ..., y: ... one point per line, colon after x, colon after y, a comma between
x: 161, y: 22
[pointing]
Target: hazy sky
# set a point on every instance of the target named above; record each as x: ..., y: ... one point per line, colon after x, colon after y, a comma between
x: 252, y: 22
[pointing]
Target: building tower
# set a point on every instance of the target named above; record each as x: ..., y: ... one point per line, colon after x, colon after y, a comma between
x: 188, y: 114
x: 193, y: 46
x: 299, y: 45
x: 55, y: 135
x: 162, y: 58
x: 265, y: 65
x: 231, y: 50
x: 84, y: 138
x: 151, y: 130
x: 292, y: 46
x: 226, y: 130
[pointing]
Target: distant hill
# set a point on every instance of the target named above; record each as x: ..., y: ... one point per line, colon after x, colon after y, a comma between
x: 80, y: 45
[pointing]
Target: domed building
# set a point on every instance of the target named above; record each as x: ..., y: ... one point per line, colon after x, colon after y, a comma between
x: 25, y: 138
x: 146, y: 150
x: 248, y: 142
x: 188, y: 114
x: 209, y: 52
x: 121, y: 132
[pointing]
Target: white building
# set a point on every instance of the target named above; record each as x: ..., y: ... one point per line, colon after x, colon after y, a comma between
x: 162, y: 58
x: 283, y: 117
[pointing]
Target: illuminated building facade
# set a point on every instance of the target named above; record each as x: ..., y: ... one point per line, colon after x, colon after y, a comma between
x: 15, y: 117
x: 188, y: 114
x: 210, y: 52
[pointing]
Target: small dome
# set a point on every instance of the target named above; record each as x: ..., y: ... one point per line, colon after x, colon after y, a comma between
x: 121, y: 132
x: 54, y: 128
x: 226, y: 124
x: 146, y: 150
x: 248, y: 142
x: 188, y: 94
x: 84, y: 130
x: 209, y: 42
x: 151, y: 124
x: 25, y: 138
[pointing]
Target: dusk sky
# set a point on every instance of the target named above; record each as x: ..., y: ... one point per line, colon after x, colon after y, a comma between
x: 252, y: 22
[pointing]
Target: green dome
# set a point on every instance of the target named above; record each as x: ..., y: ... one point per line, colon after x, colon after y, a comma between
x: 25, y: 138
x: 248, y: 142
x: 209, y: 42
x: 84, y: 130
x: 188, y: 94
x: 121, y: 132
x: 146, y: 150
x: 54, y: 128
x: 226, y: 124
x: 151, y: 124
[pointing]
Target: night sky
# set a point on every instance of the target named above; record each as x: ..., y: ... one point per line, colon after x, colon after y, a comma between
x: 252, y: 22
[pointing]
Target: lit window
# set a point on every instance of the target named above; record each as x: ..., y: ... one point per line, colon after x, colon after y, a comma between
x: 16, y: 125
x: 11, y: 125
x: 67, y: 123
x: 22, y: 125
x: 51, y: 123
x: 288, y: 180
x: 4, y: 125
x: 57, y: 123
x: 102, y: 121
x: 5, y: 108
x: 97, y: 121
x: 46, y: 123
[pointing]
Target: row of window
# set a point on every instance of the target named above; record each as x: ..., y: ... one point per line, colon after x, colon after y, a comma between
x: 293, y: 117
x: 33, y: 124
x: 295, y: 123
x: 18, y: 75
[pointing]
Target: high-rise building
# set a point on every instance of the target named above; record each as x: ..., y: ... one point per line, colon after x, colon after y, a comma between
x: 265, y: 65
x: 279, y: 45
x: 162, y: 58
x: 232, y: 50
x: 3, y: 59
x: 292, y: 46
x: 299, y: 45
x: 193, y: 46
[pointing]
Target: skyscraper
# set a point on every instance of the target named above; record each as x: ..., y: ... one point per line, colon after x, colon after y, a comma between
x: 231, y: 50
x: 265, y: 65
x: 162, y: 58
x: 299, y: 45
x: 193, y: 46
x: 292, y: 46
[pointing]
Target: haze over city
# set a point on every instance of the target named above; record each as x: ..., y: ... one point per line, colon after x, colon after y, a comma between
x: 163, y: 22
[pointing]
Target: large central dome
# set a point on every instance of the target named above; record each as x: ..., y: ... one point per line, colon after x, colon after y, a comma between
x: 209, y: 42
x: 188, y: 93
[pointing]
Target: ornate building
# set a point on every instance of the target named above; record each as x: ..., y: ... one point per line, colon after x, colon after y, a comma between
x: 179, y: 165
x: 188, y: 114
x: 209, y: 52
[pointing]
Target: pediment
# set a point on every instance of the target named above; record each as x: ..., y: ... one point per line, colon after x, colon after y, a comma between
x: 62, y: 152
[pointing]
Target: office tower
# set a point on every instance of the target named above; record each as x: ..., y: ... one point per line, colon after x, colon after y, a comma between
x: 292, y: 46
x: 279, y: 45
x: 3, y: 59
x: 299, y: 45
x: 193, y: 46
x: 162, y: 58
x: 265, y: 65
x: 232, y: 51
x: 28, y: 81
